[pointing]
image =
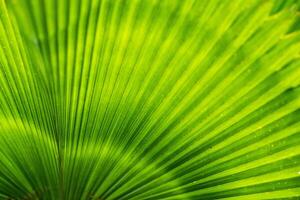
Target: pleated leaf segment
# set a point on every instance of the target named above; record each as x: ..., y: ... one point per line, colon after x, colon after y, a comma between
x: 149, y: 99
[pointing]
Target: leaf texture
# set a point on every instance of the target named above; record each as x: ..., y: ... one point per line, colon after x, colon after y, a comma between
x: 149, y: 99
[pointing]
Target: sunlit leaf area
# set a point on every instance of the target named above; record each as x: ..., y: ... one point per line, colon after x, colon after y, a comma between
x: 149, y: 99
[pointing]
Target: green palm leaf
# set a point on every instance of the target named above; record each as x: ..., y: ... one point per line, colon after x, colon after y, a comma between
x: 149, y: 99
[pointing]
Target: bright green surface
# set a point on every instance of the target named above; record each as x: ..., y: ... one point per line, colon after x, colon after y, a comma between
x: 149, y: 99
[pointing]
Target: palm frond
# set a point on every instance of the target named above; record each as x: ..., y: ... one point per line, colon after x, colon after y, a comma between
x: 149, y: 99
